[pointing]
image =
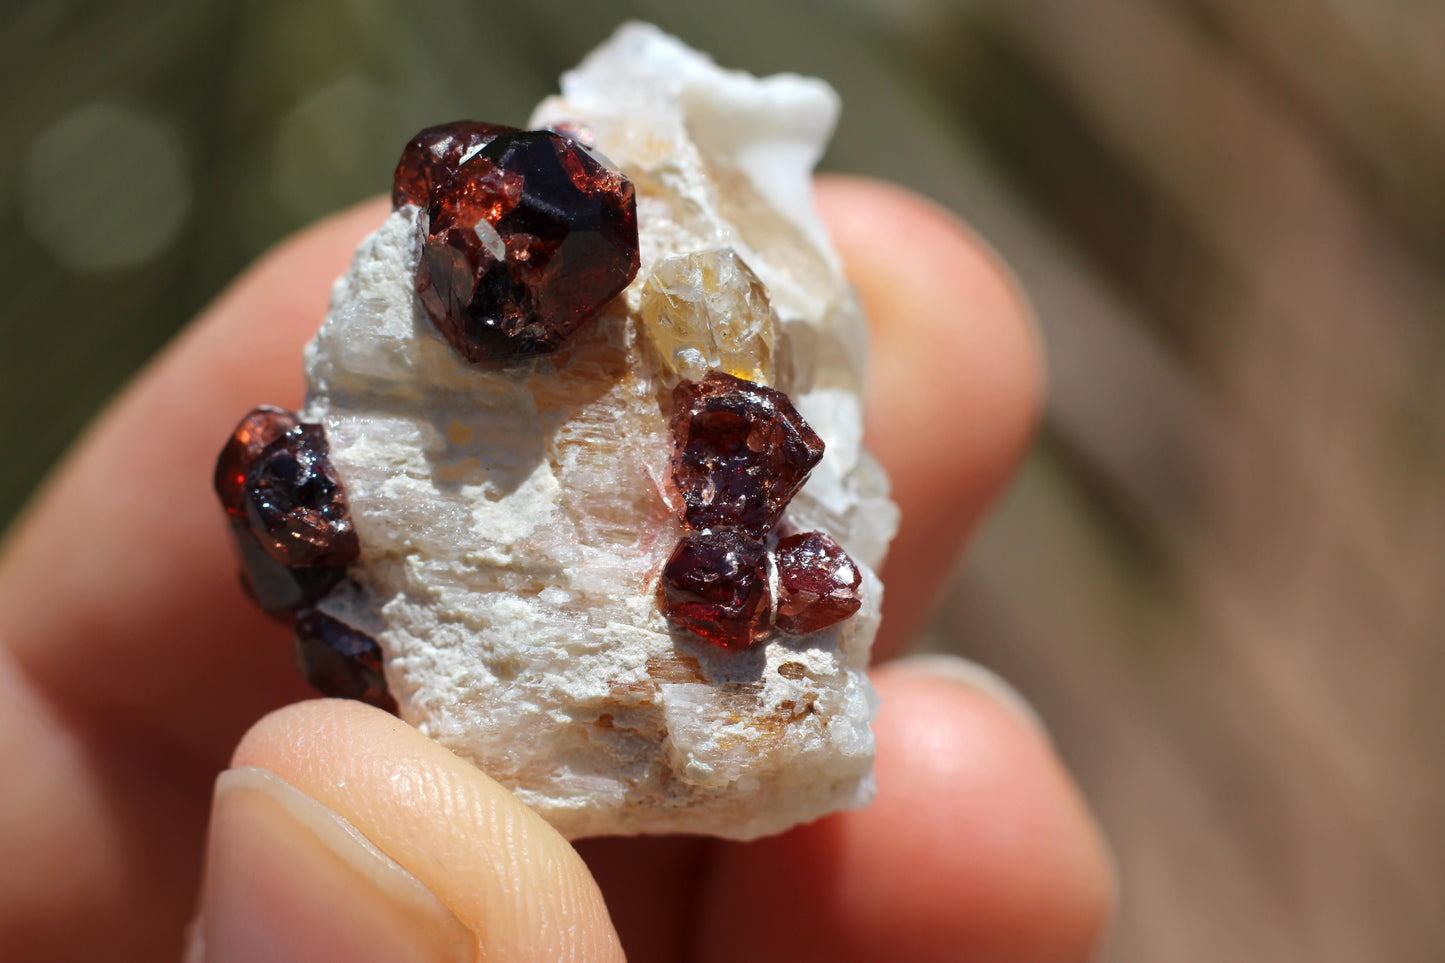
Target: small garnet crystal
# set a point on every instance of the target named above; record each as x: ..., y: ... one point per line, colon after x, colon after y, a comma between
x: 526, y: 242
x: 257, y: 430
x: 340, y: 661
x: 716, y: 585
x: 817, y: 583
x: 434, y: 155
x: 289, y: 517
x: 287, y: 509
x: 295, y: 504
x: 742, y: 452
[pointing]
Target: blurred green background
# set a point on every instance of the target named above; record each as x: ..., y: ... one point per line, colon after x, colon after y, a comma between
x: 1219, y: 577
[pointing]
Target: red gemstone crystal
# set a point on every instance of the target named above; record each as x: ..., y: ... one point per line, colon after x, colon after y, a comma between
x: 295, y: 504
x: 276, y: 587
x: 716, y: 586
x: 817, y: 583
x: 526, y: 242
x: 287, y: 509
x: 340, y: 661
x: 742, y: 452
x: 257, y: 430
x: 434, y: 155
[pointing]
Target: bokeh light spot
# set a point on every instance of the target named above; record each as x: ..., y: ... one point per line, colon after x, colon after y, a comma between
x: 106, y: 187
x: 337, y: 146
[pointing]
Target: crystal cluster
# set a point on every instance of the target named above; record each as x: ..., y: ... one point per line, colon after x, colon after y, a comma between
x: 742, y: 453
x: 293, y: 532
x: 577, y: 410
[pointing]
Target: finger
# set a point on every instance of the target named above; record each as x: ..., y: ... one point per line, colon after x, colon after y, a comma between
x: 955, y: 379
x: 133, y: 663
x: 977, y: 847
x: 651, y: 887
x: 339, y: 824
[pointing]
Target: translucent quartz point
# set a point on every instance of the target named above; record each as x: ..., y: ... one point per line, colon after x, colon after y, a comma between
x: 708, y: 311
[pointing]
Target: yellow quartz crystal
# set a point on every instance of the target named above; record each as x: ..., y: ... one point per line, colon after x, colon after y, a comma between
x: 707, y: 311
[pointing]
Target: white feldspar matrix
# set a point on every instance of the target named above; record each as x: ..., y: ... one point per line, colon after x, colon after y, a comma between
x: 514, y: 519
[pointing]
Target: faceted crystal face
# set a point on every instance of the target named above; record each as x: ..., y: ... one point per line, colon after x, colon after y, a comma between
x: 295, y: 504
x: 716, y: 585
x: 341, y: 662
x: 526, y: 242
x: 742, y: 452
x: 434, y: 155
x: 276, y: 587
x: 817, y: 583
x: 257, y: 430
x: 708, y: 311
x: 287, y: 510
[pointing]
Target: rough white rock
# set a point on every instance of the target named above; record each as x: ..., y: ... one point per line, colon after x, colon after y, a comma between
x: 513, y: 521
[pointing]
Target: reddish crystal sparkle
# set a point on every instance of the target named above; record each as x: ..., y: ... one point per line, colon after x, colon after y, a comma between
x: 742, y: 452
x: 434, y: 155
x: 716, y: 585
x: 817, y: 583
x: 257, y: 430
x: 287, y: 509
x: 295, y: 504
x: 526, y: 242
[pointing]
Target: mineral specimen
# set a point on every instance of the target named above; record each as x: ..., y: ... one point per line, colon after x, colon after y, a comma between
x: 716, y: 585
x: 287, y: 509
x: 340, y: 661
x: 552, y: 595
x: 527, y: 240
x: 743, y: 451
x: 817, y: 583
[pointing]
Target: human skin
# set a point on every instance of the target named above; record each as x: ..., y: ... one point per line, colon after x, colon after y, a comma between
x: 133, y: 671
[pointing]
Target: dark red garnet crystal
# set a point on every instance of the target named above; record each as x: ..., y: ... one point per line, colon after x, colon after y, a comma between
x: 817, y: 583
x: 434, y: 155
x: 287, y: 509
x: 742, y: 452
x: 292, y: 527
x: 716, y: 585
x: 295, y: 504
x: 340, y: 661
x: 525, y: 243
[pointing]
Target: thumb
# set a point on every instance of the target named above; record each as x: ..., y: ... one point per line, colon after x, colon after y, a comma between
x: 341, y: 833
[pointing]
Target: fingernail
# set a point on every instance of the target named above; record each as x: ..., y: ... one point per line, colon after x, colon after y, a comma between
x: 288, y: 878
x: 980, y: 679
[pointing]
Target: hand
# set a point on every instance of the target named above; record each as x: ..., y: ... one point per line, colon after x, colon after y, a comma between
x: 132, y: 665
